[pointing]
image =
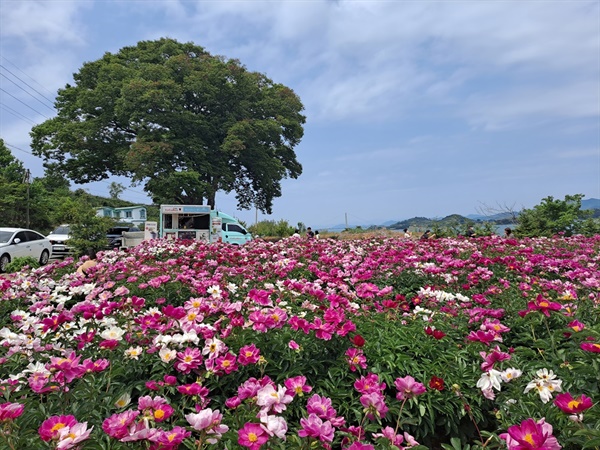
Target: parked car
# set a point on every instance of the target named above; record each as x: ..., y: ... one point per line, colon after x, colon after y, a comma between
x: 115, y: 235
x: 59, y: 239
x: 20, y: 242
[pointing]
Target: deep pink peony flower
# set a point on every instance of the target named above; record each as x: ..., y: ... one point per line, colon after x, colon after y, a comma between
x: 571, y: 405
x: 51, y: 426
x: 252, y: 435
x: 590, y: 347
x: 356, y: 359
x: 249, y: 354
x: 531, y: 435
x: 10, y: 411
x: 543, y: 305
x: 297, y: 386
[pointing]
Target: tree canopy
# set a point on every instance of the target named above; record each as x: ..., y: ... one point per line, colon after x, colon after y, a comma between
x: 553, y: 216
x: 182, y: 122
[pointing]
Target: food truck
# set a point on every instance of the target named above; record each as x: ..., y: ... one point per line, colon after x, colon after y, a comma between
x: 200, y: 222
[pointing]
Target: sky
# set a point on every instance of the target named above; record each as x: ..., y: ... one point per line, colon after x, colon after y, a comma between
x: 414, y: 108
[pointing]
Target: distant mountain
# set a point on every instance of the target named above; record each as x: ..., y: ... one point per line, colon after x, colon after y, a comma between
x: 424, y: 222
x: 590, y: 203
x: 499, y: 216
x: 453, y: 219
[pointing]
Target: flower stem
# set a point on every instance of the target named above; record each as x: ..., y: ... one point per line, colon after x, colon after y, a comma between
x: 399, y: 416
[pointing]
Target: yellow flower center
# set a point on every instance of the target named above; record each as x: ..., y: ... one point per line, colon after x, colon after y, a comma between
x: 252, y: 437
x: 529, y: 439
x: 57, y: 427
x: 574, y: 404
x: 159, y: 414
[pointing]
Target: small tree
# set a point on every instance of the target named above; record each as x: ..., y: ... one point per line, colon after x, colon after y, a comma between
x: 115, y: 189
x: 554, y: 216
x: 89, y: 234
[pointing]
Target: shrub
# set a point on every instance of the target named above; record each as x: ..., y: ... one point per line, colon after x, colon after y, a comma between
x: 17, y: 264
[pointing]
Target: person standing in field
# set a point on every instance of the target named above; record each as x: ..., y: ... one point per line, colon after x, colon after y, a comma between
x: 310, y: 233
x: 407, y: 234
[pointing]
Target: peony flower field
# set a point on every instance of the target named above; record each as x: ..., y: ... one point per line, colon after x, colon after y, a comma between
x: 375, y: 343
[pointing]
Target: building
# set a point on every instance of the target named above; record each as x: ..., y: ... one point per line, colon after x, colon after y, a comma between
x: 130, y: 214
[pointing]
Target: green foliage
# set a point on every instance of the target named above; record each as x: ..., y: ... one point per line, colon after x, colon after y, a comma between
x: 270, y: 228
x: 115, y: 190
x: 88, y: 234
x: 554, y: 216
x: 214, y: 126
x: 17, y: 264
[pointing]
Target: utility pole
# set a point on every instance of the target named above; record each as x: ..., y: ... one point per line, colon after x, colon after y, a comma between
x: 26, y: 180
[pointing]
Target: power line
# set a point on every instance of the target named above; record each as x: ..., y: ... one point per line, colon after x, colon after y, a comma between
x: 17, y: 148
x: 33, y: 109
x: 30, y: 87
x: 28, y: 93
x: 16, y: 113
x: 31, y: 78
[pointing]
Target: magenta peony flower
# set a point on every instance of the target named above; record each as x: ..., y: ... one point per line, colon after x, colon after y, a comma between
x: 252, y: 435
x: 249, y: 354
x: 51, y: 426
x: 570, y: 405
x: 531, y: 435
x: 589, y: 347
x: 10, y: 411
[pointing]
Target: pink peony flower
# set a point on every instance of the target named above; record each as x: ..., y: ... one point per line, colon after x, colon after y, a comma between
x: 297, y: 386
x: 408, y: 388
x: 589, y: 347
x: 10, y: 411
x: 531, y: 435
x: 570, y: 405
x: 249, y: 354
x: 313, y: 426
x: 51, y: 426
x: 252, y: 435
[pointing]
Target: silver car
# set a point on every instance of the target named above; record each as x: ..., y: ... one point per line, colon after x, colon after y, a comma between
x: 59, y: 238
x: 19, y: 243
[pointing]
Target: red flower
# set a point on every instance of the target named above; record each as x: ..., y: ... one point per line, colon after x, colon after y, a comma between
x: 358, y: 340
x: 436, y: 383
x: 437, y: 334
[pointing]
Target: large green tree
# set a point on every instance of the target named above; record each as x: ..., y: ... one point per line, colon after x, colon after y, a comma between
x: 553, y: 216
x: 178, y: 120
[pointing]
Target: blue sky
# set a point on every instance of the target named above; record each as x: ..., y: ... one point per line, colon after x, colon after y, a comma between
x: 414, y: 108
